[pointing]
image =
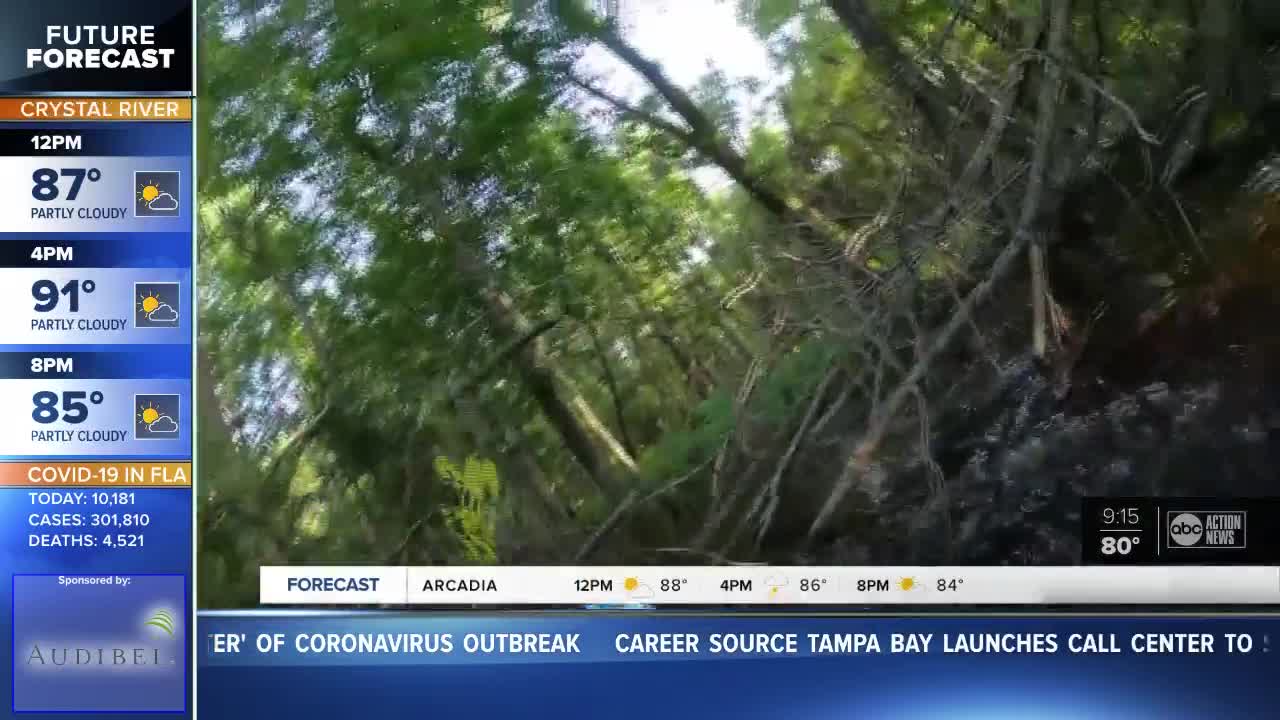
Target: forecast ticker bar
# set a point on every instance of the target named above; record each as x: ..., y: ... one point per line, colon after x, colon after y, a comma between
x: 96, y: 353
x: 767, y: 586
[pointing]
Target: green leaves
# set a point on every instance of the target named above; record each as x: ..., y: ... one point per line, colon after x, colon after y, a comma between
x: 767, y: 17
x: 476, y: 483
x: 378, y: 177
x: 476, y: 479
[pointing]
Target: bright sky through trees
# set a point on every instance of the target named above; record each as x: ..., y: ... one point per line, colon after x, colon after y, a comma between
x: 689, y: 38
x: 686, y: 38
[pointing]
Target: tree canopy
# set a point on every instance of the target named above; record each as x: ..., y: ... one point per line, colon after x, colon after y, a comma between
x: 463, y: 301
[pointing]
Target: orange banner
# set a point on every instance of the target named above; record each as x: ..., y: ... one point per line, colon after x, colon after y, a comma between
x: 89, y: 109
x: 55, y: 475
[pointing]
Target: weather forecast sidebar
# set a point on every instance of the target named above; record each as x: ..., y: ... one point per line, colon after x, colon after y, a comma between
x: 97, y: 324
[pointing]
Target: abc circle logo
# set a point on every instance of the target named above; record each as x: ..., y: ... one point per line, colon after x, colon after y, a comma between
x: 1186, y: 529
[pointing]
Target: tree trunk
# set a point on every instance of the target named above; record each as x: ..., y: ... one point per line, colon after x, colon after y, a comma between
x: 1050, y: 89
x: 700, y: 379
x: 222, y: 466
x: 615, y: 393
x: 900, y: 72
x: 567, y: 412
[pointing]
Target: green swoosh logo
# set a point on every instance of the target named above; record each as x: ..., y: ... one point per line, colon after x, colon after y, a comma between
x: 162, y: 620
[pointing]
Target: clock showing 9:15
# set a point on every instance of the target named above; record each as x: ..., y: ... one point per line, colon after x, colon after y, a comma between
x: 1120, y: 517
x: 1119, y: 530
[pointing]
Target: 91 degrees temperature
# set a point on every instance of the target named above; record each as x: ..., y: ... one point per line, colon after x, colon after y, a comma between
x: 47, y: 294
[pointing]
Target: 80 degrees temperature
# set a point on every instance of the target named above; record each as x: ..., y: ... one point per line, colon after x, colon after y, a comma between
x: 1119, y: 544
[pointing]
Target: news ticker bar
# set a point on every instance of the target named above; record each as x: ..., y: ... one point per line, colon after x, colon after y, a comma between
x: 761, y: 585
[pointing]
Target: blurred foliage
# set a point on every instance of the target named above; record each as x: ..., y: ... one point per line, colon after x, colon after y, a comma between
x: 460, y: 306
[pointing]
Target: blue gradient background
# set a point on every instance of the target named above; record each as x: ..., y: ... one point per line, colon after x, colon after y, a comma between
x: 98, y: 361
x: 110, y: 615
x: 170, y: 512
x: 100, y: 139
x: 601, y: 683
x: 102, y: 250
x: 167, y: 549
x: 155, y: 243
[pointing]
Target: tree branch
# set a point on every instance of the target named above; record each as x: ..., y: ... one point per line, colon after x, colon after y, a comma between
x: 504, y: 354
x: 902, y: 73
x: 861, y: 461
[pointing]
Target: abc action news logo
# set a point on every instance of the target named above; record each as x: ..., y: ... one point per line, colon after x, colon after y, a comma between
x: 1206, y: 529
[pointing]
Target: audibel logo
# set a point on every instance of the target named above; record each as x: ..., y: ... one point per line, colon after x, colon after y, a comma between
x: 1200, y: 529
x: 99, y: 643
x: 137, y: 653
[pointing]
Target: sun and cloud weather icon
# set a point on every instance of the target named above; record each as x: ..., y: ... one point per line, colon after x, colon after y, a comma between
x: 636, y: 590
x: 776, y: 584
x: 156, y: 418
x: 157, y: 194
x: 157, y: 305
